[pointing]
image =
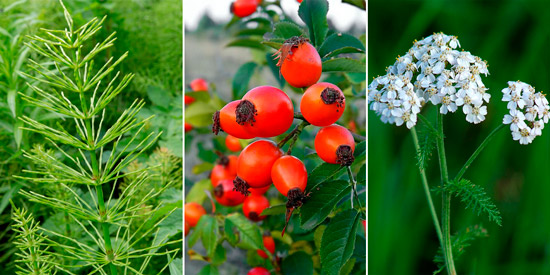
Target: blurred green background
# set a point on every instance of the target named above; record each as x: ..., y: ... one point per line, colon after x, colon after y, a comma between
x: 513, y: 36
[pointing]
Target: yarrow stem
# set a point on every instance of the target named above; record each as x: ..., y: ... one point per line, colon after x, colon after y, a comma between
x: 424, y: 179
x: 446, y: 199
x: 482, y: 146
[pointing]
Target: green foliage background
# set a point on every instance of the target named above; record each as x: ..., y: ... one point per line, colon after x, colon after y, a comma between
x: 513, y: 36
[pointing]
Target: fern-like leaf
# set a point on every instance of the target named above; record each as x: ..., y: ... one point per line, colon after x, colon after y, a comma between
x: 475, y: 198
x: 427, y: 141
x: 459, y: 241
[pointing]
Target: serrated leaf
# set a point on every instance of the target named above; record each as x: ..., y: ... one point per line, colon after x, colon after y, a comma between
x: 209, y: 235
x: 219, y: 256
x: 196, y: 234
x: 209, y: 270
x: 273, y: 44
x: 298, y: 263
x: 339, y: 43
x: 314, y: 14
x: 427, y: 143
x: 287, y: 30
x: 274, y: 210
x: 242, y: 79
x: 246, y: 43
x: 322, y: 173
x: 338, y: 241
x: 344, y: 64
x: 197, y: 193
x: 318, y: 235
x: 232, y: 238
x: 346, y: 269
x: 322, y: 202
x: 249, y: 233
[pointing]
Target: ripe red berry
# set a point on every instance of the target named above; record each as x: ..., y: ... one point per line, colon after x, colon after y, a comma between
x: 265, y: 111
x: 253, y: 207
x: 225, y: 120
x: 244, y: 8
x: 289, y: 173
x: 199, y: 84
x: 233, y: 144
x: 225, y: 169
x: 258, y: 271
x: 300, y: 62
x: 322, y: 104
x: 193, y: 213
x: 269, y: 244
x: 259, y: 191
x: 225, y: 195
x: 254, y: 165
x: 334, y: 144
x: 188, y: 127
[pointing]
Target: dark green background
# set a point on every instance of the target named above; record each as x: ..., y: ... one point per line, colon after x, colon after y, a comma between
x: 513, y: 36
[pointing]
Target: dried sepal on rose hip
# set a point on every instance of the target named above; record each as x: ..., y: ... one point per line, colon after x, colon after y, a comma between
x: 253, y: 206
x: 226, y: 120
x: 225, y: 169
x: 289, y: 176
x: 322, y: 104
x: 265, y: 111
x: 225, y: 195
x: 335, y: 144
x: 299, y: 61
x: 254, y: 165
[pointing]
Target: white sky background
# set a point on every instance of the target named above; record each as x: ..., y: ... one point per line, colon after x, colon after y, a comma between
x: 342, y: 15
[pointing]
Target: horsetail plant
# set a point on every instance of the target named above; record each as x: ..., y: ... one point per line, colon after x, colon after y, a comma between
x: 117, y: 231
x: 435, y: 71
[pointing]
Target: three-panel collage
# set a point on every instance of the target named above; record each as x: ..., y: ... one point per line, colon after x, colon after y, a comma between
x: 274, y: 137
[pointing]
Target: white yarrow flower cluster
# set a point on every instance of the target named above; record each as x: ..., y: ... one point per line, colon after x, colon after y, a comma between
x: 442, y: 75
x: 529, y: 111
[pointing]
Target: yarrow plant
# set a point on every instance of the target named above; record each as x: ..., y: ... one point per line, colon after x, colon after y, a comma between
x: 435, y: 71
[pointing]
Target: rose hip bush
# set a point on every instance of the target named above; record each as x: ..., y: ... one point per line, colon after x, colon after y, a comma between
x: 283, y: 168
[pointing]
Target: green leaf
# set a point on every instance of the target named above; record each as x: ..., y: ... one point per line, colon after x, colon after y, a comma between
x: 287, y: 30
x: 249, y: 233
x: 199, y: 114
x: 322, y: 202
x: 338, y: 241
x: 274, y: 43
x: 360, y: 149
x: 362, y: 175
x: 427, y: 142
x: 318, y: 235
x: 246, y: 43
x: 209, y: 270
x: 159, y: 96
x: 231, y: 236
x: 344, y: 64
x: 348, y: 267
x: 362, y: 4
x: 209, y: 235
x: 322, y: 173
x: 298, y: 263
x: 197, y: 193
x: 242, y: 79
x: 219, y: 255
x: 475, y: 198
x: 314, y: 14
x: 203, y: 167
x: 12, y: 94
x: 175, y: 267
x: 199, y: 96
x: 170, y: 226
x: 274, y: 210
x: 339, y: 43
x: 8, y: 195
